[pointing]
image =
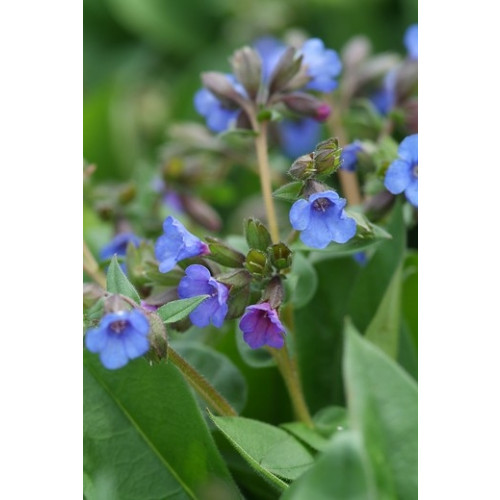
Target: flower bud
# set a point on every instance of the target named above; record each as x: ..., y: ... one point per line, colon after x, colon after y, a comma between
x: 327, y: 156
x: 303, y: 167
x: 355, y: 51
x: 238, y: 300
x: 238, y: 278
x: 201, y: 212
x: 287, y: 67
x: 91, y: 294
x: 224, y: 254
x: 280, y: 256
x: 220, y: 85
x: 307, y: 105
x: 247, y: 67
x: 257, y: 263
x: 274, y: 293
x: 256, y: 234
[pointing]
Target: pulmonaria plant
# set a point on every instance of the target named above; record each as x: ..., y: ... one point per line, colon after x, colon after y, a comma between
x: 199, y: 281
x: 402, y: 174
x: 177, y: 244
x: 120, y: 337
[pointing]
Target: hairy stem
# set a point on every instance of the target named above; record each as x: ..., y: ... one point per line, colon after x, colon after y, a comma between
x: 201, y: 385
x: 91, y: 267
x: 265, y: 180
x: 288, y: 370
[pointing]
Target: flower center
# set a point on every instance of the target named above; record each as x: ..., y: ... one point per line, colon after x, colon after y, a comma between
x: 321, y: 204
x: 118, y: 326
x: 414, y: 170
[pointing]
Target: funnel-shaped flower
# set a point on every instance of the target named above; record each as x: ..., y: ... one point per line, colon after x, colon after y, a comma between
x: 261, y: 326
x: 120, y: 337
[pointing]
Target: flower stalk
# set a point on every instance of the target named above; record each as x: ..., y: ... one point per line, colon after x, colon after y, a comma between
x: 91, y: 267
x: 201, y: 385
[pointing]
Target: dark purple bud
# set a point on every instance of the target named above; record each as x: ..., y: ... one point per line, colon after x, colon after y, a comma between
x: 220, y: 85
x: 201, y: 212
x: 287, y: 68
x: 307, y: 105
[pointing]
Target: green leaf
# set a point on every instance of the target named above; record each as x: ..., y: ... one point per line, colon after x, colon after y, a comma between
x: 374, y: 279
x: 382, y: 405
x: 272, y: 452
x: 410, y: 295
x: 327, y: 422
x: 117, y: 282
x: 340, y: 473
x: 218, y: 369
x: 384, y: 328
x: 302, y: 281
x: 289, y: 192
x: 144, y: 436
x: 318, y: 333
x: 179, y: 309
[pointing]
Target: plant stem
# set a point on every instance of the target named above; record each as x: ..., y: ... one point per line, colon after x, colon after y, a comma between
x: 201, y: 385
x: 288, y: 370
x: 348, y: 180
x: 265, y: 180
x: 91, y: 267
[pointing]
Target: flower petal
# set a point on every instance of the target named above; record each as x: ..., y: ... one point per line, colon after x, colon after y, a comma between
x: 411, y: 192
x: 135, y: 344
x: 342, y: 229
x: 317, y: 233
x: 139, y: 322
x: 96, y: 339
x: 408, y: 149
x: 398, y: 176
x: 300, y: 214
x: 114, y: 355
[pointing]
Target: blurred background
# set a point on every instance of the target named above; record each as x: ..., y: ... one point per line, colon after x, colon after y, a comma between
x: 142, y: 60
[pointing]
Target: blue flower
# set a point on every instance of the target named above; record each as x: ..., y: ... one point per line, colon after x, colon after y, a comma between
x: 402, y: 174
x: 411, y: 41
x: 299, y: 137
x: 198, y: 281
x: 349, y: 156
x: 118, y: 245
x: 323, y: 65
x: 217, y: 116
x: 120, y: 336
x: 322, y: 219
x: 176, y: 244
x: 385, y: 98
x: 261, y: 326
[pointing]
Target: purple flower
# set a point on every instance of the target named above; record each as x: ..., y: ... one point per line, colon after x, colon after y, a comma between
x: 198, y: 281
x: 299, y: 137
x: 322, y: 219
x: 261, y: 326
x: 176, y: 244
x: 120, y: 336
x: 118, y: 245
x: 411, y: 41
x: 402, y: 174
x: 349, y: 156
x: 323, y: 65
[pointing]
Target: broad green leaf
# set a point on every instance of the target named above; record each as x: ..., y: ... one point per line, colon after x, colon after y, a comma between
x: 327, y: 422
x: 271, y: 451
x: 407, y: 352
x: 144, y: 436
x: 375, y: 278
x: 217, y: 368
x: 410, y: 295
x: 179, y: 309
x: 318, y: 333
x: 382, y: 405
x: 384, y: 328
x: 302, y: 281
x: 117, y: 282
x: 340, y: 473
x: 289, y: 192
